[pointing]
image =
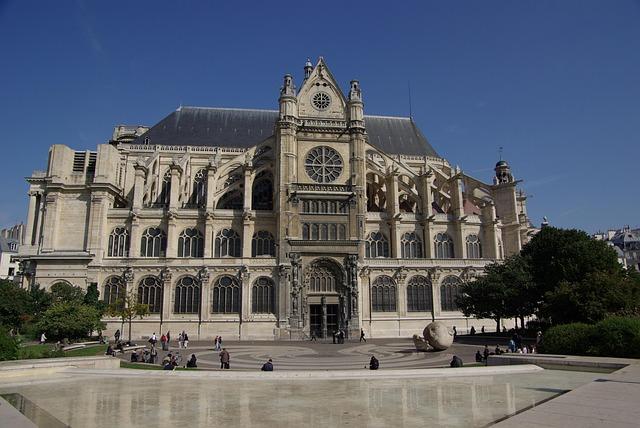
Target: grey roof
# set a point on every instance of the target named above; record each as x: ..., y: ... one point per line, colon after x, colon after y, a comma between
x: 200, y: 126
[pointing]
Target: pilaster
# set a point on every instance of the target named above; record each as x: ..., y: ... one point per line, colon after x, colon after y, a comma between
x: 172, y: 235
x: 31, y: 219
x: 138, y: 185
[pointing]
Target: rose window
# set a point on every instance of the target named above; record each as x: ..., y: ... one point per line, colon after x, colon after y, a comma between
x: 321, y: 100
x: 323, y: 164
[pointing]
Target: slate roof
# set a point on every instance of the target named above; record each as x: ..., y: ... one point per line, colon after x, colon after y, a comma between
x: 4, y: 245
x: 221, y: 127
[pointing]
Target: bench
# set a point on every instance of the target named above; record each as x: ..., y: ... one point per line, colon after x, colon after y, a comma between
x: 74, y: 346
x: 129, y: 348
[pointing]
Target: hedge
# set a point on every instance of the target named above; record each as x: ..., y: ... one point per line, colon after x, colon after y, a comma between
x: 611, y: 337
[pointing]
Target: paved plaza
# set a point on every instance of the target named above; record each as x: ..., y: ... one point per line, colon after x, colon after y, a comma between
x: 322, y: 355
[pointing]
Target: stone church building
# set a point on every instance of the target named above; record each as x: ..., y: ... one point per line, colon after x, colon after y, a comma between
x: 272, y: 224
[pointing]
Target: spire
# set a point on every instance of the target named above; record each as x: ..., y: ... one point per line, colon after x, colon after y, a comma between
x: 288, y: 87
x: 308, y: 68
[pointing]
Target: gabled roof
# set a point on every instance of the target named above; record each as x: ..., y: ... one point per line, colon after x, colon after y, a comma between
x: 221, y: 127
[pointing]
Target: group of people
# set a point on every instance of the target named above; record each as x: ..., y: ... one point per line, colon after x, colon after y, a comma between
x: 146, y: 355
x: 217, y: 343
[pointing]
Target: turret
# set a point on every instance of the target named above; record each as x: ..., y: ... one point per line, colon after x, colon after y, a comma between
x: 288, y: 100
x: 356, y: 107
x: 308, y: 68
x: 503, y: 173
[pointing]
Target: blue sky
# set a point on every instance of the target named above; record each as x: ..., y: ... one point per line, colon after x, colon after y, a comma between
x: 556, y: 83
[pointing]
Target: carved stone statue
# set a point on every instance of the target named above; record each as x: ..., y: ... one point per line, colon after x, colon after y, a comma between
x: 127, y: 274
x: 165, y: 274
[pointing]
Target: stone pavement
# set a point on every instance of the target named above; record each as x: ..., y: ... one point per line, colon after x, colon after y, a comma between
x: 307, y: 355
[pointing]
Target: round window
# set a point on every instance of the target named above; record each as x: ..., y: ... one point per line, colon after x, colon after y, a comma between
x: 321, y: 100
x: 323, y: 164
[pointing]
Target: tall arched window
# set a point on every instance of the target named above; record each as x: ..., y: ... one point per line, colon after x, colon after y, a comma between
x: 228, y: 244
x: 153, y: 243
x: 263, y: 244
x: 474, y: 249
x: 443, y: 245
x: 449, y: 289
x: 150, y: 293
x: 322, y: 278
x: 190, y: 243
x: 383, y: 294
x: 262, y: 296
x: 411, y: 246
x: 114, y: 291
x: 165, y: 190
x: 118, y: 243
x: 377, y: 245
x: 262, y: 192
x: 419, y: 297
x: 226, y: 295
x: 187, y: 297
x: 198, y: 196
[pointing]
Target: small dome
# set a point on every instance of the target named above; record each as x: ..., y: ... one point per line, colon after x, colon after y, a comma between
x: 502, y: 163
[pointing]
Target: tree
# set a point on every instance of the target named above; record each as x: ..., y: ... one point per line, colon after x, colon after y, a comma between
x: 15, y: 305
x: 92, y: 298
x: 41, y: 300
x: 127, y: 309
x: 65, y: 292
x: 504, y: 291
x: 71, y: 320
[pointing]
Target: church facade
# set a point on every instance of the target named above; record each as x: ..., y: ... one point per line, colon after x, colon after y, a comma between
x: 283, y: 224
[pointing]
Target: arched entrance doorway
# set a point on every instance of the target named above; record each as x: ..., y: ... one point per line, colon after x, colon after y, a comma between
x: 325, y: 298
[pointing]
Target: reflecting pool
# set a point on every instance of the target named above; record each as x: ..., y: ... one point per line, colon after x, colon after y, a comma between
x: 158, y: 401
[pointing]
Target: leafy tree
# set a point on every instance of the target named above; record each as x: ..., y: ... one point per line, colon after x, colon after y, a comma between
x: 70, y: 319
x: 9, y: 346
x: 64, y: 292
x: 15, y: 304
x: 566, y: 255
x: 92, y: 298
x: 128, y: 309
x: 504, y: 291
x: 592, y: 299
x: 40, y: 299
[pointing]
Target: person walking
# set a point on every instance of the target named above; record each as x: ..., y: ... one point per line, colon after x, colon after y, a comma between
x: 180, y: 341
x: 153, y: 339
x: 168, y: 339
x: 185, y: 340
x: 362, y: 336
x: 268, y: 366
x: 455, y: 332
x: 153, y: 355
x: 224, y: 359
x: 43, y: 338
x: 116, y: 335
x: 219, y: 343
x: 163, y: 342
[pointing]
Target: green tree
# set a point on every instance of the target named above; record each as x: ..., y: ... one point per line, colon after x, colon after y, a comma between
x: 41, y: 300
x: 70, y: 320
x: 15, y: 305
x: 65, y: 292
x: 92, y: 298
x: 593, y: 298
x: 128, y: 309
x: 9, y: 346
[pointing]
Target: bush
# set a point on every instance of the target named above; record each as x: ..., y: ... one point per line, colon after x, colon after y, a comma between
x: 9, y: 346
x: 618, y: 337
x: 70, y: 320
x: 570, y: 339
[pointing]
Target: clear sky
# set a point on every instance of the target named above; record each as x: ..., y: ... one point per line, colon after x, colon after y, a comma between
x: 556, y: 83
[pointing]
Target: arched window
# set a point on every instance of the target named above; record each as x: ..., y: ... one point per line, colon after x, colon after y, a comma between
x: 233, y: 200
x: 226, y: 295
x: 411, y: 246
x: 449, y: 289
x: 190, y: 243
x: 443, y: 245
x: 419, y: 297
x: 383, y: 294
x: 322, y: 278
x: 305, y: 231
x: 198, y: 196
x: 474, y: 249
x: 150, y: 293
x: 118, y: 243
x: 262, y: 296
x: 228, y: 244
x: 263, y: 244
x: 377, y: 245
x: 114, y: 291
x: 187, y: 298
x: 262, y: 192
x: 153, y: 243
x: 165, y: 190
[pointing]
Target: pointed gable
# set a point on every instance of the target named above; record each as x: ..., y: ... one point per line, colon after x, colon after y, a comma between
x: 320, y: 95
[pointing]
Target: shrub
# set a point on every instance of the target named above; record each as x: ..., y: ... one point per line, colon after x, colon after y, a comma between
x: 70, y: 320
x: 618, y: 337
x: 571, y: 339
x: 9, y: 346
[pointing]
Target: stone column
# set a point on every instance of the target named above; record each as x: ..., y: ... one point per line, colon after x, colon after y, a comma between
x: 134, y: 243
x: 208, y: 235
x: 172, y: 236
x: 98, y: 224
x: 31, y: 219
x: 323, y: 302
x: 490, y: 237
x: 247, y: 234
x: 175, y: 186
x: 50, y: 222
x: 457, y: 204
x: 167, y: 294
x: 393, y: 212
x: 138, y: 185
x: 39, y: 219
x: 212, y: 169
